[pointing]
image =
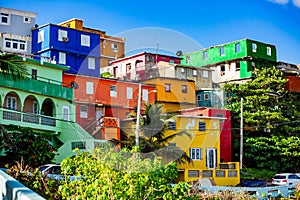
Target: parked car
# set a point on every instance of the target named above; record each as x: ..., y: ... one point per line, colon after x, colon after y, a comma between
x: 253, y: 183
x: 285, y: 179
x: 53, y: 171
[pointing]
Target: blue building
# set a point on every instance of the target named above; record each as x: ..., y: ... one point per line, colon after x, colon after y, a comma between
x: 210, y: 98
x: 15, y: 30
x: 77, y: 49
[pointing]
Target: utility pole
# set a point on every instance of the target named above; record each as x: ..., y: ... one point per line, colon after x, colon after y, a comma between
x: 137, y: 133
x: 241, y: 134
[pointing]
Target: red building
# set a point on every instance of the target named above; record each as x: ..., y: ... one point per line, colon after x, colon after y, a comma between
x: 225, y: 127
x: 139, y: 66
x: 101, y: 103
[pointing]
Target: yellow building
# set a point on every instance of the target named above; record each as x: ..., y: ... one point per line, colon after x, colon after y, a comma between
x: 174, y: 94
x: 111, y: 48
x: 203, y: 147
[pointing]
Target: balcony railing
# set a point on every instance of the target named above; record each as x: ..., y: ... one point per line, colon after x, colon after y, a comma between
x: 12, y: 115
x: 38, y: 87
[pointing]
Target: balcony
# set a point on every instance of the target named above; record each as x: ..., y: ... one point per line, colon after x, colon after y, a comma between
x: 27, y: 119
x: 38, y: 87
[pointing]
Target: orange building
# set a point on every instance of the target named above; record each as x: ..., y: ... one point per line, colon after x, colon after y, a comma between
x: 174, y: 94
x: 101, y: 103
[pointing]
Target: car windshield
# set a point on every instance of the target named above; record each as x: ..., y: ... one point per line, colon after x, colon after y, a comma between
x: 279, y: 177
x: 42, y: 168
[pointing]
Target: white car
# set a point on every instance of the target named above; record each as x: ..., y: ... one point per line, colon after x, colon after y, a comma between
x: 53, y: 171
x: 285, y: 179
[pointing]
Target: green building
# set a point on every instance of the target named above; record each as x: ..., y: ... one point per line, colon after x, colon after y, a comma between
x: 234, y: 60
x: 42, y: 102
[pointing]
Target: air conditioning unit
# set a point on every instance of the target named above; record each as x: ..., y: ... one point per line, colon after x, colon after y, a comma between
x: 65, y: 39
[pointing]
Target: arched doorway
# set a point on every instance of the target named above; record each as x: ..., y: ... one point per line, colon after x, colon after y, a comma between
x: 31, y: 110
x: 48, y: 109
x: 12, y: 104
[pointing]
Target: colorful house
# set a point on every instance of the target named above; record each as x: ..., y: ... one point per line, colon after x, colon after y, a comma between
x: 225, y: 127
x: 45, y: 105
x: 15, y: 30
x: 80, y: 50
x: 139, y: 66
x: 175, y: 94
x: 111, y: 48
x: 233, y: 61
x: 203, y: 147
x: 101, y: 103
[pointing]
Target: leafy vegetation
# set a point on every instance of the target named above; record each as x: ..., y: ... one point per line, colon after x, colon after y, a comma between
x: 271, y: 116
x: 12, y: 65
x: 21, y: 143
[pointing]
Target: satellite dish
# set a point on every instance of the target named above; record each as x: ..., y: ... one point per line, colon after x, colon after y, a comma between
x: 74, y: 85
x: 179, y: 53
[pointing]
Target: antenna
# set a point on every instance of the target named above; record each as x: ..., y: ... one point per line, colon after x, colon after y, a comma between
x: 157, y: 43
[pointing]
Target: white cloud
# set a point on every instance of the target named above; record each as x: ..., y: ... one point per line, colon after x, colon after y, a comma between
x: 281, y: 1
x: 296, y: 3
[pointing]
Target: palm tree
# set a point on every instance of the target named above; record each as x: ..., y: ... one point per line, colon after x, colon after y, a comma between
x: 12, y: 65
x: 152, y: 138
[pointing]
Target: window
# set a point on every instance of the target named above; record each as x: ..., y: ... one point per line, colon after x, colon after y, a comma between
x: 184, y: 88
x: 26, y: 20
x: 62, y: 58
x: 83, y: 111
x: 35, y: 108
x: 66, y: 113
x: 4, y: 19
x: 167, y: 87
x: 206, y: 96
x: 222, y: 52
x: 129, y: 92
x: 196, y: 153
x: 205, y: 55
x: 113, y: 90
x: 222, y: 69
x: 145, y: 95
x: 205, y: 74
x: 85, y: 40
x: 269, y: 51
x: 171, y: 125
x: 254, y: 47
x: 172, y: 61
x: 182, y: 70
x: 41, y: 36
x: 91, y: 63
x: 62, y: 34
x: 89, y: 88
x: 237, y: 47
x: 114, y: 47
x: 11, y: 103
x: 199, y: 97
x: 194, y: 72
x: 237, y: 66
x: 34, y: 74
x: 128, y: 67
x: 79, y: 145
x: 202, y: 126
x: 13, y: 44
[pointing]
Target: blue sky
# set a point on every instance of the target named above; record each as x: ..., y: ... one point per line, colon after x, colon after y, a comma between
x: 180, y: 25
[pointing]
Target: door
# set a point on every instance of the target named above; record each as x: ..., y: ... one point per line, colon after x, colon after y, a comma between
x: 211, y: 158
x: 99, y: 113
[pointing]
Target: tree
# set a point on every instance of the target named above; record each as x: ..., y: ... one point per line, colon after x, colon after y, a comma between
x: 268, y: 118
x: 152, y: 138
x: 21, y: 143
x: 12, y: 65
x: 108, y: 174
